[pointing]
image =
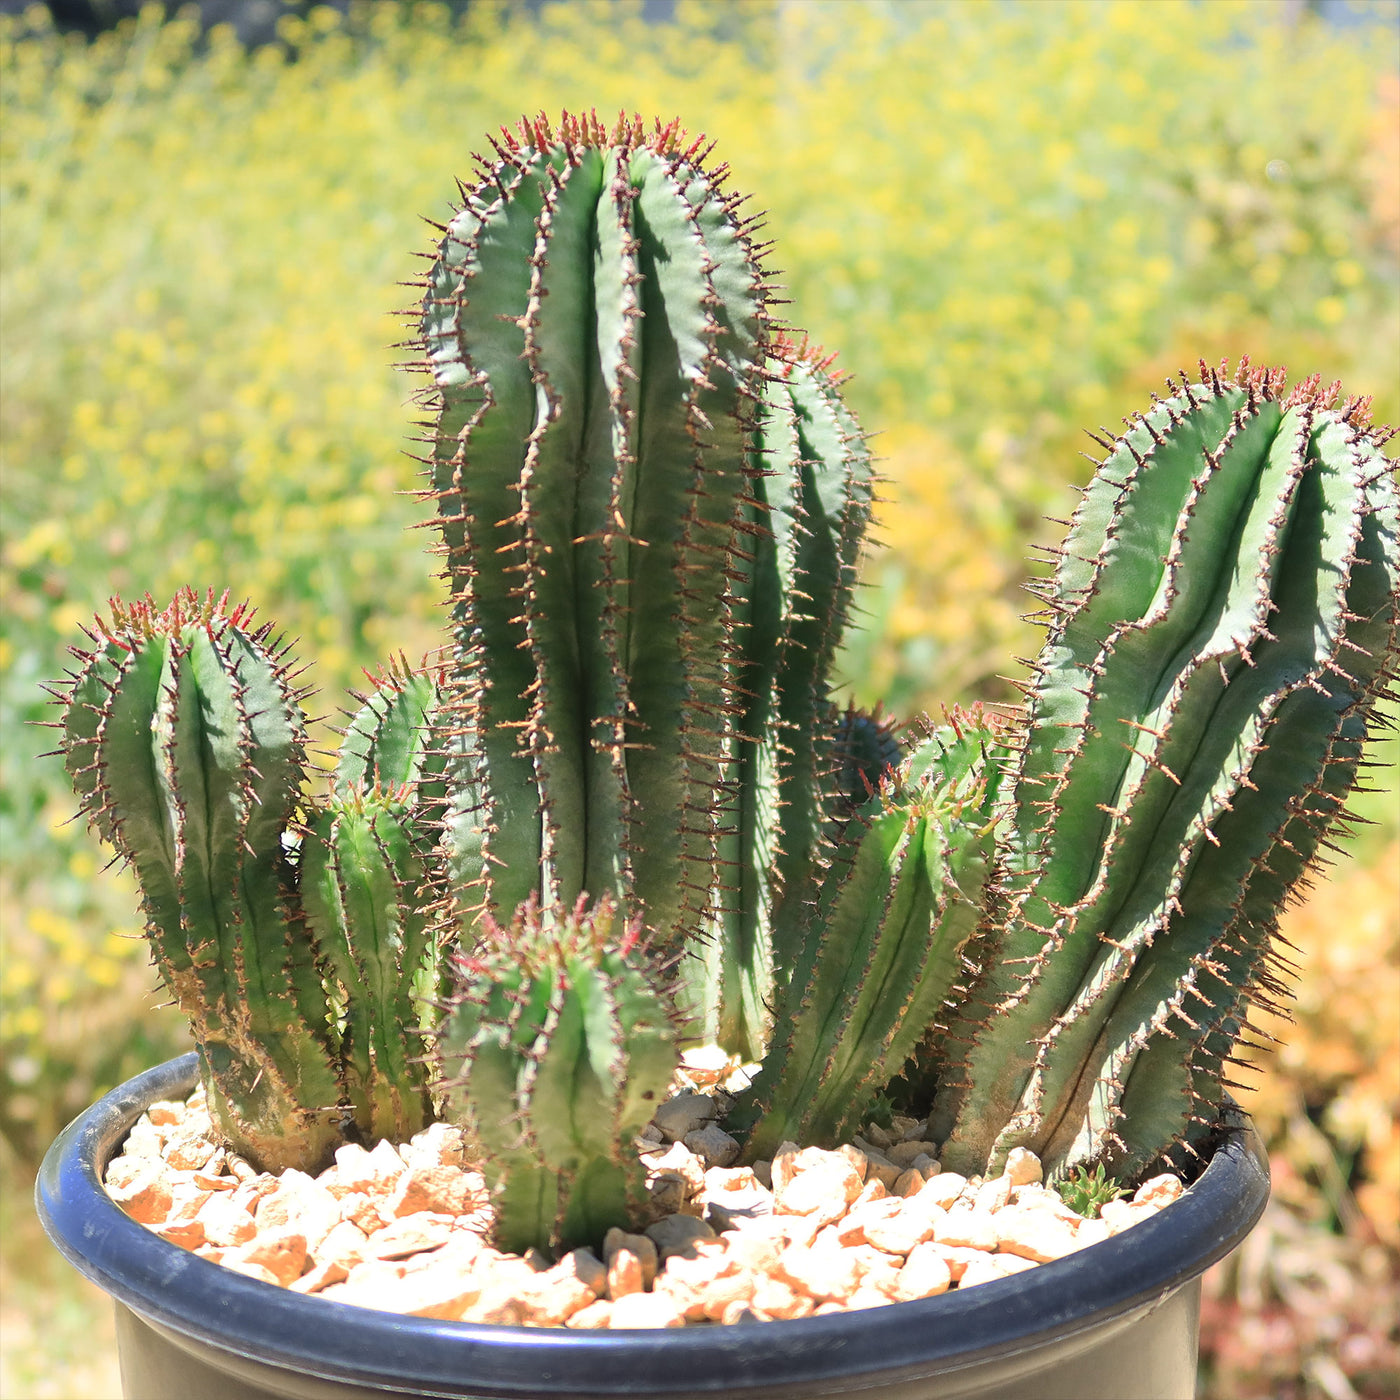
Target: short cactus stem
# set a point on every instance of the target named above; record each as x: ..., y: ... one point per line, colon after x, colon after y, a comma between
x: 884, y: 946
x: 184, y: 740
x: 559, y: 1044
x: 391, y: 741
x: 363, y: 886
x: 867, y: 748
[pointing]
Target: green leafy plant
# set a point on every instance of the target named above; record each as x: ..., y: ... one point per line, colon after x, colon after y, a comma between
x: 622, y: 810
x: 1087, y: 1192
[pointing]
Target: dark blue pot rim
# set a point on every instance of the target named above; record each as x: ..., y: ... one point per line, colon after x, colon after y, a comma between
x: 193, y: 1297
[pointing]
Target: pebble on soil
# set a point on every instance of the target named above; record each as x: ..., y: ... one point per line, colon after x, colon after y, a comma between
x: 406, y: 1229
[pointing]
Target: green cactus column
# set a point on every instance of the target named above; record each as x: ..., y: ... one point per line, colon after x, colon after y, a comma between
x: 812, y: 490
x: 368, y: 899
x: 184, y: 739
x: 1223, y: 619
x: 593, y: 326
x: 902, y: 894
x: 650, y: 508
x: 362, y: 883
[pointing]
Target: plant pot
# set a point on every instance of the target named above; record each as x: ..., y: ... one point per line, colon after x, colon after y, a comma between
x: 1116, y: 1321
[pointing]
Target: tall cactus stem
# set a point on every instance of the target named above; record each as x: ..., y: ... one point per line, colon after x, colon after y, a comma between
x: 1226, y: 614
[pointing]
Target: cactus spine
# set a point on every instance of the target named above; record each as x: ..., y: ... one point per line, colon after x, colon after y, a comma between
x: 1223, y: 618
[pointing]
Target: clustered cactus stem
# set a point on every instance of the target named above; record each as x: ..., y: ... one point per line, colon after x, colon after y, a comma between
x: 621, y: 809
x: 882, y: 959
x: 362, y: 871
x: 558, y: 1047
x: 651, y: 503
x: 185, y: 741
x: 1222, y: 623
x: 290, y: 933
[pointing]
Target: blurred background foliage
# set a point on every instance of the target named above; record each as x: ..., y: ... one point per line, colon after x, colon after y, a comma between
x: 1011, y: 219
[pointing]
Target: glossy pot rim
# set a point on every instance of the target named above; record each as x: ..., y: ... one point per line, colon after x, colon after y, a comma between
x: 176, y: 1289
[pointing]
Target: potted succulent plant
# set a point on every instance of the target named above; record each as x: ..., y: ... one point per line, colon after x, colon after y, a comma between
x: 620, y: 812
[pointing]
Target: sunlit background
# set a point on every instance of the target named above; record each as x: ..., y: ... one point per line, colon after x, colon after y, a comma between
x: 1012, y: 220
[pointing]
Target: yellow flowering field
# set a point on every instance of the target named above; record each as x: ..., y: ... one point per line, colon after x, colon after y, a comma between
x: 1011, y: 219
